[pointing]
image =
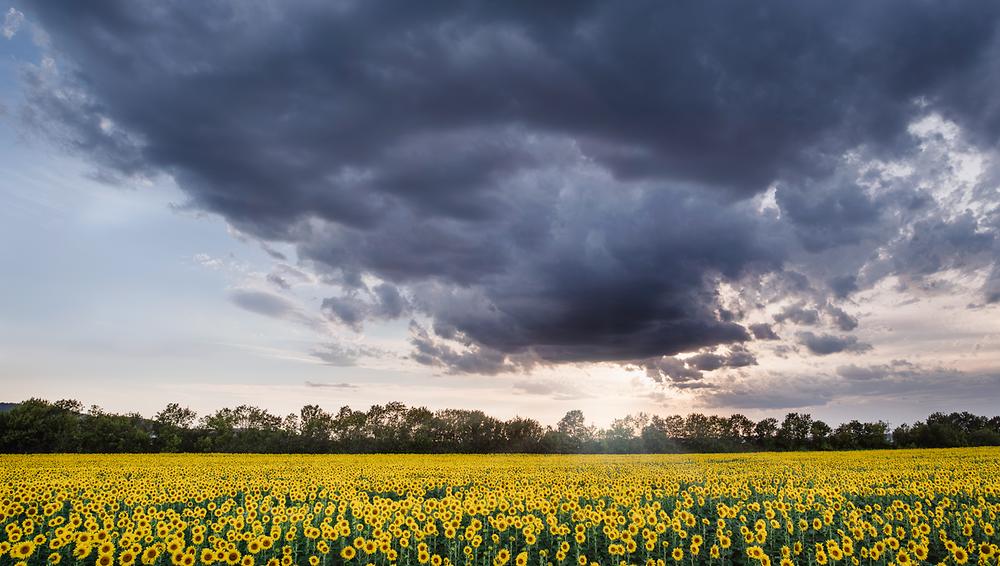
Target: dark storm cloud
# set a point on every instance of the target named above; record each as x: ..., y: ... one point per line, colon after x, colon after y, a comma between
x: 828, y: 214
x: 557, y: 182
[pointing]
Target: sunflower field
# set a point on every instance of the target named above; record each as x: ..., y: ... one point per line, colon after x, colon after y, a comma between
x: 899, y: 507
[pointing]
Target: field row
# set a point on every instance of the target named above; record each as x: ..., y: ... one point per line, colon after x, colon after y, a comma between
x: 902, y: 507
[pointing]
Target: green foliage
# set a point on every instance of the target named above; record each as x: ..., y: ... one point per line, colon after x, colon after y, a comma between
x: 37, y: 425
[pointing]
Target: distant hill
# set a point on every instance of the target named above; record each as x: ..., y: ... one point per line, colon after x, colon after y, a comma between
x: 4, y: 407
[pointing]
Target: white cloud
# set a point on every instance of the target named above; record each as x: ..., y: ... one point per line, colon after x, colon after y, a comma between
x: 12, y: 22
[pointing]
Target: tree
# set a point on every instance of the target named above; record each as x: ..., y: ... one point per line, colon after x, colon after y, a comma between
x: 315, y: 428
x: 819, y: 434
x: 523, y: 435
x: 655, y: 439
x: 573, y: 425
x: 39, y: 426
x: 172, y: 427
x: 349, y: 430
x: 741, y: 429
x: 794, y: 431
x: 698, y: 433
x: 764, y: 433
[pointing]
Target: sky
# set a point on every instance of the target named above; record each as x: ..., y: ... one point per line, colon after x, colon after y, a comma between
x: 518, y: 207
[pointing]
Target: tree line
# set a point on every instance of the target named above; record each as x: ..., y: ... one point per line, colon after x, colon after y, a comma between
x: 38, y: 425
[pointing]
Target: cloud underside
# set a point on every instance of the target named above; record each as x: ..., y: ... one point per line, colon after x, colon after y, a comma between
x: 557, y: 183
x: 933, y: 386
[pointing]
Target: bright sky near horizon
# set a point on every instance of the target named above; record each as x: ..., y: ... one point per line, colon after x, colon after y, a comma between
x: 511, y: 209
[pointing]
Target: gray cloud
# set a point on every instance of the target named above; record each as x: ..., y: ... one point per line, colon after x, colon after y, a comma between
x: 763, y: 331
x: 798, y: 314
x: 671, y: 370
x: 384, y: 302
x: 337, y: 355
x: 897, y: 368
x: 554, y: 390
x: 842, y: 319
x: 348, y: 310
x: 278, y: 281
x: 274, y: 306
x: 264, y: 303
x: 786, y: 393
x: 843, y: 285
x: 285, y: 276
x: 991, y: 289
x: 736, y: 357
x: 331, y: 385
x: 683, y: 372
x: 475, y: 359
x: 931, y: 386
x: 825, y: 344
x: 547, y: 184
x: 343, y: 355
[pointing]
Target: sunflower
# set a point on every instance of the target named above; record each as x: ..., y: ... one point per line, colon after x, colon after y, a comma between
x: 22, y: 550
x: 82, y: 551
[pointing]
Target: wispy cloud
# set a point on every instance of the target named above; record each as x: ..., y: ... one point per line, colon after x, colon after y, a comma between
x: 331, y: 385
